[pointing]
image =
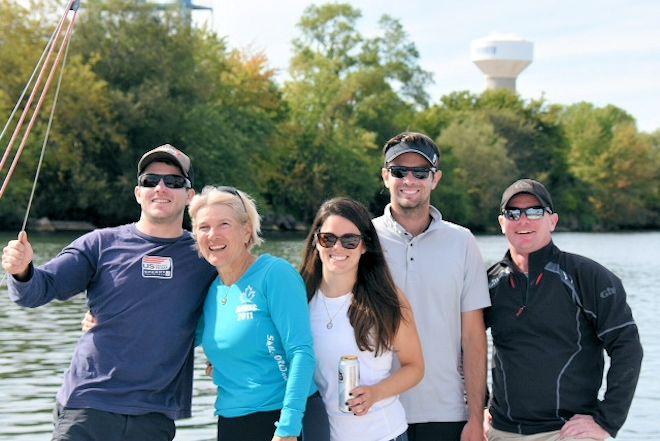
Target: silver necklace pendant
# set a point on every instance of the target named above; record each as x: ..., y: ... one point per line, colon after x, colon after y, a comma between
x: 329, y: 325
x: 223, y: 301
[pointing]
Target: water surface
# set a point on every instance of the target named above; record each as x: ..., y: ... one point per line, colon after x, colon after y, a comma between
x: 36, y: 344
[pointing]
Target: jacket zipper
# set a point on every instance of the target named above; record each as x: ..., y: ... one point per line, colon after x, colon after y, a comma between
x: 512, y: 282
x: 522, y: 308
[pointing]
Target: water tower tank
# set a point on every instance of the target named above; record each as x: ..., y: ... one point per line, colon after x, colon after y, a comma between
x: 501, y: 58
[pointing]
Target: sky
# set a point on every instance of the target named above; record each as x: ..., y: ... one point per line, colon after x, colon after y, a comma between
x: 599, y: 51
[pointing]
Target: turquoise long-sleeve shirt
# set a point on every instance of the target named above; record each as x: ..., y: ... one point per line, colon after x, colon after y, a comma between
x: 257, y: 335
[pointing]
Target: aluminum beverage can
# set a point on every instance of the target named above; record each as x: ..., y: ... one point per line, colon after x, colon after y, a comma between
x: 349, y: 379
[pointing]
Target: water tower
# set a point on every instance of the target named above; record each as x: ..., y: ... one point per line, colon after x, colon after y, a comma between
x: 501, y: 58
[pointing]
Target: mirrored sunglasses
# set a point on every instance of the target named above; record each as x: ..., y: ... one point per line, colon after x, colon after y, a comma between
x: 532, y: 213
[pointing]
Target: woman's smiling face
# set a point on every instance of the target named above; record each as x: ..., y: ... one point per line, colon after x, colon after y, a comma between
x: 221, y: 237
x: 337, y: 259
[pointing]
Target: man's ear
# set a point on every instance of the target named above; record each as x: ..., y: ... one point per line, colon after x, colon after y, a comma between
x: 437, y: 176
x: 554, y: 220
x: 385, y: 174
x: 190, y: 193
x: 500, y: 219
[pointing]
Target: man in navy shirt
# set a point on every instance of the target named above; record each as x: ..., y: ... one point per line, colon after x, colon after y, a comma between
x: 131, y: 376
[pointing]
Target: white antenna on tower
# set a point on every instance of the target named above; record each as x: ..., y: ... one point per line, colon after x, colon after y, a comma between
x: 185, y: 6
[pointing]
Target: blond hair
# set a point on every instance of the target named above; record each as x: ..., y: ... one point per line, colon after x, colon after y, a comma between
x: 242, y: 204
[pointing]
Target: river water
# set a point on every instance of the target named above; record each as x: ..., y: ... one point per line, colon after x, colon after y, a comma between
x: 36, y: 344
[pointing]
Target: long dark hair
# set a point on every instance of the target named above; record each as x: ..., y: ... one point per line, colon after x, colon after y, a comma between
x: 375, y: 311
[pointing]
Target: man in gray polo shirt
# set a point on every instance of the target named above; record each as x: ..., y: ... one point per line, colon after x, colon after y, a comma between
x: 439, y: 268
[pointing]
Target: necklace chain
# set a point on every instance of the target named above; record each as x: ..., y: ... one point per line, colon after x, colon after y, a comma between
x: 246, y: 265
x: 327, y: 311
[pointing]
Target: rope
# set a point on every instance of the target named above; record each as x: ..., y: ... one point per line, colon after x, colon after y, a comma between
x: 50, y: 123
x: 27, y: 85
x: 73, y: 6
x: 19, y: 125
x: 37, y: 108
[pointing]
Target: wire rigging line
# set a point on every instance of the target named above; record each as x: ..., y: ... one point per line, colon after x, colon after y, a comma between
x: 27, y: 85
x: 64, y: 44
x: 37, y: 84
x: 40, y: 67
x: 43, y: 146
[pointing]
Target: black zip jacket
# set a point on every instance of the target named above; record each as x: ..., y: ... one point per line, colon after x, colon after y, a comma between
x: 549, y: 330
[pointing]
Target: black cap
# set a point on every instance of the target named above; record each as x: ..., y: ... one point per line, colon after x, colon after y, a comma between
x: 168, y: 152
x: 530, y: 186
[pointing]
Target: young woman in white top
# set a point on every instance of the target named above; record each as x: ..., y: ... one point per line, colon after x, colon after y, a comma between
x: 356, y: 309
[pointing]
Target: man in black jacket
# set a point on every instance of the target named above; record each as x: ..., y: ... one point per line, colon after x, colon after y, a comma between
x: 552, y: 315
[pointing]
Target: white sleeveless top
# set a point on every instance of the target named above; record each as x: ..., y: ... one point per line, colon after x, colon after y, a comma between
x: 386, y: 419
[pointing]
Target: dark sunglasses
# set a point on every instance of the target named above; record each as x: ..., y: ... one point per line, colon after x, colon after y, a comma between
x: 348, y: 241
x: 171, y: 181
x: 400, y: 172
x: 233, y: 191
x: 532, y: 213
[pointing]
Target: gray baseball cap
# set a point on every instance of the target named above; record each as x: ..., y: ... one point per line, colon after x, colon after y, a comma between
x: 169, y: 152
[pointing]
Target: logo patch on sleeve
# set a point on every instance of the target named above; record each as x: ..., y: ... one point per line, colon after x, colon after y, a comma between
x: 157, y: 267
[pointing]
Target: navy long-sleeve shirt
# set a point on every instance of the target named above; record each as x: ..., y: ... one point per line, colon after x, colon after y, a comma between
x: 146, y: 294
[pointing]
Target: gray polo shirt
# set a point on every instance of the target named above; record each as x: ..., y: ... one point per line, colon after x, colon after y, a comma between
x: 442, y: 273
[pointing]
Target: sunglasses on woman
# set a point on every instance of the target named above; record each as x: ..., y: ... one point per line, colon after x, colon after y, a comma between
x: 348, y: 241
x: 400, y: 172
x: 150, y: 180
x: 532, y: 213
x: 234, y: 192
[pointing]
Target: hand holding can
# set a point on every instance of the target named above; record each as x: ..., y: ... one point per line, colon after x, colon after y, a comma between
x: 349, y: 379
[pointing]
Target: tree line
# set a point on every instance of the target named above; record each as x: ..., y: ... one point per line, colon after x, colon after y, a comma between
x: 137, y: 77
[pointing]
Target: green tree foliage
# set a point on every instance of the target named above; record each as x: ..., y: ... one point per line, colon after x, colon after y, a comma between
x: 481, y: 169
x: 653, y: 191
x: 533, y: 144
x: 532, y: 141
x: 619, y: 165
x: 181, y: 85
x: 70, y: 179
x: 18, y: 34
x: 346, y: 96
x: 138, y: 77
